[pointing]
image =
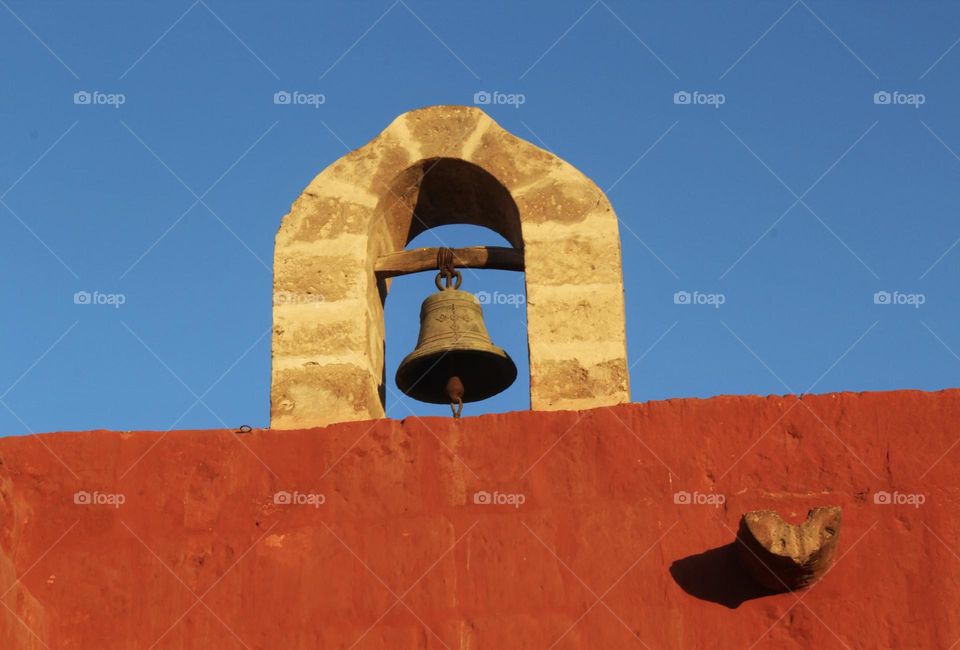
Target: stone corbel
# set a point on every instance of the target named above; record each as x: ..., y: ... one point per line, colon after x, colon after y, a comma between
x: 784, y: 557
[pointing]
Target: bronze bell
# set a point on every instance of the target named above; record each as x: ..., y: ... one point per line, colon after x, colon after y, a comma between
x: 454, y: 361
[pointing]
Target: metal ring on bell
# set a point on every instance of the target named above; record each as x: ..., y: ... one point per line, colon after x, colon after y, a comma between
x: 449, y: 277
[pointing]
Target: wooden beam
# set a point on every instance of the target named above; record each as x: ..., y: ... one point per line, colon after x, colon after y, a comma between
x: 425, y: 259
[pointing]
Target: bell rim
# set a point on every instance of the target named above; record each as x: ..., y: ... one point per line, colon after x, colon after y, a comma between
x: 409, y: 375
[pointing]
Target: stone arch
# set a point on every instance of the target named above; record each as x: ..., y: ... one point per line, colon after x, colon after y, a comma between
x: 430, y: 167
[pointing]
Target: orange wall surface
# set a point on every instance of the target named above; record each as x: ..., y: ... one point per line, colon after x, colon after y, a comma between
x: 610, y: 528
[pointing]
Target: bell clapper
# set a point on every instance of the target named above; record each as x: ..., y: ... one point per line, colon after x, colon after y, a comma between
x: 455, y: 392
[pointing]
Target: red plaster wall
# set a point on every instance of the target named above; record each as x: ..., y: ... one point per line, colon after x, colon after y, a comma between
x: 598, y: 555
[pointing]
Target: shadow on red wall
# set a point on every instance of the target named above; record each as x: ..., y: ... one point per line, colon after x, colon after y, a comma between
x: 715, y: 575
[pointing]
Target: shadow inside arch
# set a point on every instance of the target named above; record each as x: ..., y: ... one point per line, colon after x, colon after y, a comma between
x: 443, y: 192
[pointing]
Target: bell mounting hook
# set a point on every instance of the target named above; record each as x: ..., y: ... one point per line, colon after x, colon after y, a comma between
x: 448, y: 273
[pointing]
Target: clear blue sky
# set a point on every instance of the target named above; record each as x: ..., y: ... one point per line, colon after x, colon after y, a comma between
x: 100, y: 197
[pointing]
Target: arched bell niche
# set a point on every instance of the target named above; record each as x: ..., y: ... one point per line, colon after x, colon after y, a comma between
x: 345, y: 235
